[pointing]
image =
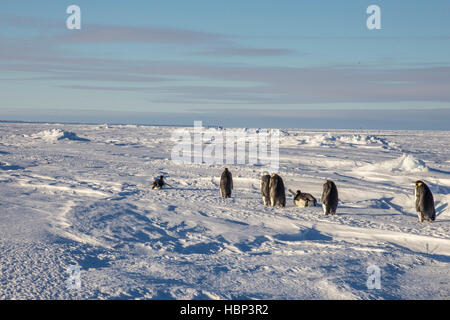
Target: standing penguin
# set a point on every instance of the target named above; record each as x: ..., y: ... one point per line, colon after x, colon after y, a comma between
x: 265, y: 191
x: 329, y: 198
x: 424, y: 202
x: 226, y: 183
x: 276, y: 191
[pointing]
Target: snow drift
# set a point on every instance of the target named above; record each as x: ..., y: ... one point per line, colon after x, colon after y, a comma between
x: 406, y: 163
x: 54, y: 135
x: 338, y: 140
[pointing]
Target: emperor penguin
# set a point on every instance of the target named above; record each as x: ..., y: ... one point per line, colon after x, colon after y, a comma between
x: 159, y: 183
x: 303, y: 200
x: 276, y: 191
x: 424, y: 202
x: 265, y: 191
x: 226, y: 183
x: 329, y: 198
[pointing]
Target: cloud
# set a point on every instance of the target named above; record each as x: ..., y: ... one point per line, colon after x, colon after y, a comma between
x: 29, y: 22
x: 246, y: 51
x: 130, y: 34
x: 265, y: 84
x: 95, y: 33
x: 48, y: 58
x: 103, y: 88
x: 304, y: 85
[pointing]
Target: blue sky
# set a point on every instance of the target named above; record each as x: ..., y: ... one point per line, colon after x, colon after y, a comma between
x: 227, y: 62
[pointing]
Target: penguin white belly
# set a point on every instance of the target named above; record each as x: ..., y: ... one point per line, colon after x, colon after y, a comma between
x: 324, y: 207
x: 419, y: 214
x: 301, y: 203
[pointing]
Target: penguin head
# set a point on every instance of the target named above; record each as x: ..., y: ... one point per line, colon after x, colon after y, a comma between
x: 418, y: 183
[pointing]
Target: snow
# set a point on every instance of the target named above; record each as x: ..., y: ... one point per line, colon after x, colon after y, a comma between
x: 81, y: 195
x: 328, y: 139
x: 405, y: 163
x: 54, y: 135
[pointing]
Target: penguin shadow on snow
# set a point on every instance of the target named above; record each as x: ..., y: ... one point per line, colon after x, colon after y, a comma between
x: 439, y: 189
x: 397, y: 208
x: 439, y: 171
x: 381, y: 204
x: 440, y: 208
x: 187, y: 189
x: 364, y: 214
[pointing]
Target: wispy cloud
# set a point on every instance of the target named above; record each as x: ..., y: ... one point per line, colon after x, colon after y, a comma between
x: 29, y: 22
x: 130, y: 34
x: 245, y: 51
x: 274, y: 85
x: 178, y: 80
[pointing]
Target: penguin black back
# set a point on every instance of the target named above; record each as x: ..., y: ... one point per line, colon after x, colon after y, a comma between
x: 226, y: 183
x: 424, y: 202
x: 159, y: 183
x: 277, y: 192
x: 329, y: 197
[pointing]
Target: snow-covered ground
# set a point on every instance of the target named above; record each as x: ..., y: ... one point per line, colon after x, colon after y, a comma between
x: 81, y: 195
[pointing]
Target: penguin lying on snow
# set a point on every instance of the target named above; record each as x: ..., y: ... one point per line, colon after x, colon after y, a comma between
x: 276, y: 191
x: 265, y: 191
x: 226, y: 183
x: 159, y: 183
x: 329, y: 198
x: 424, y: 202
x: 303, y: 200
